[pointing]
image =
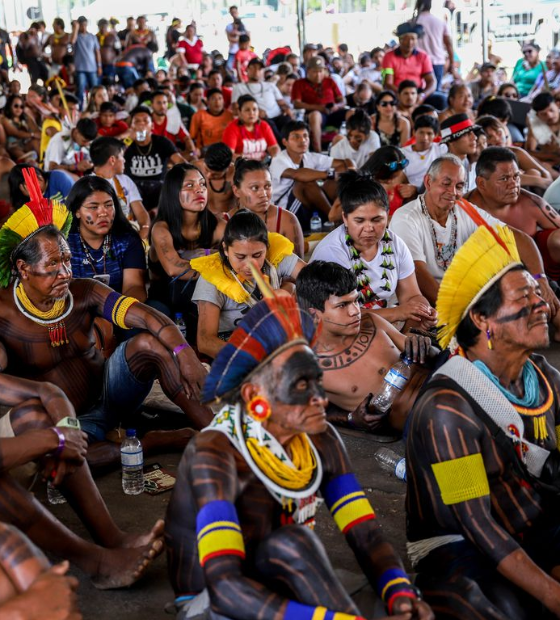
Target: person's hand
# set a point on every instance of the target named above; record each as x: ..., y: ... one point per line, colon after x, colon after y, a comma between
x: 52, y: 595
x: 548, y: 295
x: 416, y: 311
x: 99, y: 71
x: 418, y: 610
x: 417, y: 348
x: 365, y: 418
x: 192, y: 372
x: 84, y: 165
x: 262, y: 113
x: 407, y: 190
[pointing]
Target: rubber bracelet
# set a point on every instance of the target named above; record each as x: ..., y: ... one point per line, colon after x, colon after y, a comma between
x: 180, y: 347
x: 538, y: 276
x: 61, y: 441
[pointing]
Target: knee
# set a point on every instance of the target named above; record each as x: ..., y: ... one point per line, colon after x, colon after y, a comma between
x: 145, y: 343
x: 314, y: 117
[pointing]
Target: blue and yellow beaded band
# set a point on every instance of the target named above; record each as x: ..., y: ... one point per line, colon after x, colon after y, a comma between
x: 347, y: 502
x: 218, y: 531
x: 392, y: 582
x: 115, y: 308
x: 297, y: 611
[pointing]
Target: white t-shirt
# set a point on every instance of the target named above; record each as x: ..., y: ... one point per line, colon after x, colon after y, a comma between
x: 129, y: 189
x: 282, y: 161
x: 266, y: 95
x: 413, y: 227
x: 343, y: 150
x: 420, y: 161
x: 63, y: 150
x: 371, y: 74
x: 333, y: 248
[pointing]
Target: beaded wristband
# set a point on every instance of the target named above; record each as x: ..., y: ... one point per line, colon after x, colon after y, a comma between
x: 538, y: 276
x: 61, y: 441
x: 401, y: 593
x: 180, y: 347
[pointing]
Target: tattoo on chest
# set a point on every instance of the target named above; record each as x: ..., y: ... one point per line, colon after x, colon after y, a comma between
x: 355, y: 351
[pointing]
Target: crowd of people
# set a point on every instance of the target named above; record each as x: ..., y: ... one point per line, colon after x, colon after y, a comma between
x: 139, y: 184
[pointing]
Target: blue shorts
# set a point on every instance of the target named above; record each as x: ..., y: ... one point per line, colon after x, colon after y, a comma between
x: 122, y: 394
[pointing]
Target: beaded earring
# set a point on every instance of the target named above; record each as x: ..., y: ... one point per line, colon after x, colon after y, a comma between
x: 489, y: 339
x: 259, y: 408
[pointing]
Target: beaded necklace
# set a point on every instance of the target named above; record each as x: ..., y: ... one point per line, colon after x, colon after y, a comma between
x: 366, y: 295
x: 52, y: 319
x: 445, y: 253
x: 106, y: 249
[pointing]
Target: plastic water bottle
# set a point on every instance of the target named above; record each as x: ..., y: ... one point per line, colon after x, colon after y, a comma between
x: 393, y: 382
x: 392, y: 462
x: 54, y: 495
x: 132, y: 460
x: 343, y: 130
x: 315, y: 224
x: 180, y: 322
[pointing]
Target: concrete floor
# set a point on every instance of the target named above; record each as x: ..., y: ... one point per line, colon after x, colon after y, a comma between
x: 146, y: 599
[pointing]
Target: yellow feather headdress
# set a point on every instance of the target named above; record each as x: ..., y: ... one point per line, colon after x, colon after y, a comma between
x: 483, y: 259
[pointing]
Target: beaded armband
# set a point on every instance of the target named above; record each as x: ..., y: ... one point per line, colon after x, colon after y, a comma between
x: 296, y: 611
x: 393, y: 583
x: 347, y: 502
x: 218, y: 531
x: 115, y: 308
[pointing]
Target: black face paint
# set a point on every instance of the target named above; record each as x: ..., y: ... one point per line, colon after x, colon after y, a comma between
x: 301, y: 366
x: 521, y: 314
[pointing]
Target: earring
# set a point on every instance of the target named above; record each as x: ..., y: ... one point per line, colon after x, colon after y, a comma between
x: 489, y: 339
x: 259, y: 408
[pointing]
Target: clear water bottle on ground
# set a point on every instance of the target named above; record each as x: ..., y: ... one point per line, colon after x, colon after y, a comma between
x: 393, y: 382
x: 180, y: 322
x: 132, y: 460
x: 315, y: 223
x: 343, y: 130
x: 54, y: 495
x: 390, y: 461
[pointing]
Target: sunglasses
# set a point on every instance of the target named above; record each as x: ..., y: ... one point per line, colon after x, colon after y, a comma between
x: 397, y: 165
x: 386, y: 104
x: 17, y: 105
x: 527, y: 52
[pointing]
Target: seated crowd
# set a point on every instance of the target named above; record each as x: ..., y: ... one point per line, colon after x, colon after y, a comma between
x: 197, y: 190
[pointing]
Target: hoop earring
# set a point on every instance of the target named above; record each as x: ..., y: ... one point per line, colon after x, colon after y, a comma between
x: 489, y: 339
x: 259, y: 408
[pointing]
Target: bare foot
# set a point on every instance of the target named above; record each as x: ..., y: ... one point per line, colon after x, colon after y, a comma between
x: 131, y: 541
x: 119, y: 568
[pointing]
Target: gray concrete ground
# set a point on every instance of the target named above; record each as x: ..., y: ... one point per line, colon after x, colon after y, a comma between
x: 146, y: 599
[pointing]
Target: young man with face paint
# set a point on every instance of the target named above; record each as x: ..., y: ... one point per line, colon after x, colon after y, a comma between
x: 483, y: 439
x: 355, y: 349
x: 246, y: 501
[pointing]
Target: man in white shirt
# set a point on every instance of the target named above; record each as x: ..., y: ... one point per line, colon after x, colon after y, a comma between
x: 304, y: 179
x: 423, y: 151
x: 438, y: 222
x: 272, y: 105
x: 107, y: 156
x: 70, y: 150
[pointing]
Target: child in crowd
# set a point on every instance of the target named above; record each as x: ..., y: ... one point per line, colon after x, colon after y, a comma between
x: 424, y: 150
x: 107, y: 123
x: 243, y: 56
x: 360, y: 141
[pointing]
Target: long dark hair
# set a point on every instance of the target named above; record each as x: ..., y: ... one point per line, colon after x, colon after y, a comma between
x: 357, y: 187
x: 8, y: 107
x: 84, y: 188
x: 243, y: 166
x: 378, y: 163
x: 243, y: 226
x: 15, y: 179
x: 170, y: 210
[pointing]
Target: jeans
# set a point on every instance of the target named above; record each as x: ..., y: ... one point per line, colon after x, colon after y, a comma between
x: 85, y: 79
x: 438, y: 72
x: 109, y: 71
x: 122, y: 392
x: 127, y: 76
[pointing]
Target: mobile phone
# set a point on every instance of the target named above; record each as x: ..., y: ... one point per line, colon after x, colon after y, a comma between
x: 104, y: 278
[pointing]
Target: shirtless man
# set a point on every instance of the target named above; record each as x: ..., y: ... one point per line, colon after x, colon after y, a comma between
x: 256, y: 559
x: 217, y: 167
x: 58, y: 41
x: 356, y: 349
x: 109, y: 46
x: 60, y: 346
x: 498, y: 191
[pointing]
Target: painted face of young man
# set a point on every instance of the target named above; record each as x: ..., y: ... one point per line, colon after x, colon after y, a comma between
x: 504, y: 184
x: 342, y: 315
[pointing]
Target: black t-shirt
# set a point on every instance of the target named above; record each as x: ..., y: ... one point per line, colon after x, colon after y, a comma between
x: 148, y: 163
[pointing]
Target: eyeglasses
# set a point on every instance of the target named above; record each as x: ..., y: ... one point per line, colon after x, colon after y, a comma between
x: 397, y: 165
x: 386, y: 104
x: 527, y: 52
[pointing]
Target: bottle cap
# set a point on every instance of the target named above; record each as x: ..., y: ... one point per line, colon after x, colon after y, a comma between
x: 406, y: 359
x: 178, y: 315
x: 131, y: 432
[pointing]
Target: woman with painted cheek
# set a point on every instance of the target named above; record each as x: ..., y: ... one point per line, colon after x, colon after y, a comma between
x: 252, y: 186
x: 226, y: 289
x: 379, y: 258
x: 183, y: 229
x: 103, y: 243
x: 249, y: 136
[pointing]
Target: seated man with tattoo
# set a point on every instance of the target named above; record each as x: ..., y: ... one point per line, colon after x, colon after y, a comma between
x: 483, y: 466
x: 239, y: 524
x: 47, y: 328
x: 356, y: 348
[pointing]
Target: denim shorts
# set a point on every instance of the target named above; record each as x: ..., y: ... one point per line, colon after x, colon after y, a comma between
x: 122, y: 394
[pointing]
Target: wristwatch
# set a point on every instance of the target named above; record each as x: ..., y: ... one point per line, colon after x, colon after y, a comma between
x: 331, y: 173
x: 69, y: 422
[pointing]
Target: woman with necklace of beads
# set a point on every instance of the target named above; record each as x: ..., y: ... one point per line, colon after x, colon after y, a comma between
x: 103, y: 243
x: 183, y: 229
x: 226, y: 289
x: 252, y: 186
x: 380, y: 259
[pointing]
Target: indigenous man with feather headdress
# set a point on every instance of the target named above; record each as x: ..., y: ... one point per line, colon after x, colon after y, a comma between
x: 251, y: 482
x: 483, y: 466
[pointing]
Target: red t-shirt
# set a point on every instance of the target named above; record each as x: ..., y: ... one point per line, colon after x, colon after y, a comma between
x: 161, y: 130
x: 250, y: 144
x: 242, y: 59
x: 316, y: 94
x: 193, y: 53
x: 116, y: 129
x: 411, y: 68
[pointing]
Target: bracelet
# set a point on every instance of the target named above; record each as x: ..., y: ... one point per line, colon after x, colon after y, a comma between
x: 61, y: 441
x: 538, y: 276
x: 180, y: 347
x: 146, y: 226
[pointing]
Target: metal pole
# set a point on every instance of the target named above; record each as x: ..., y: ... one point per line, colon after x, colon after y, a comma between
x: 484, y: 30
x: 301, y: 10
